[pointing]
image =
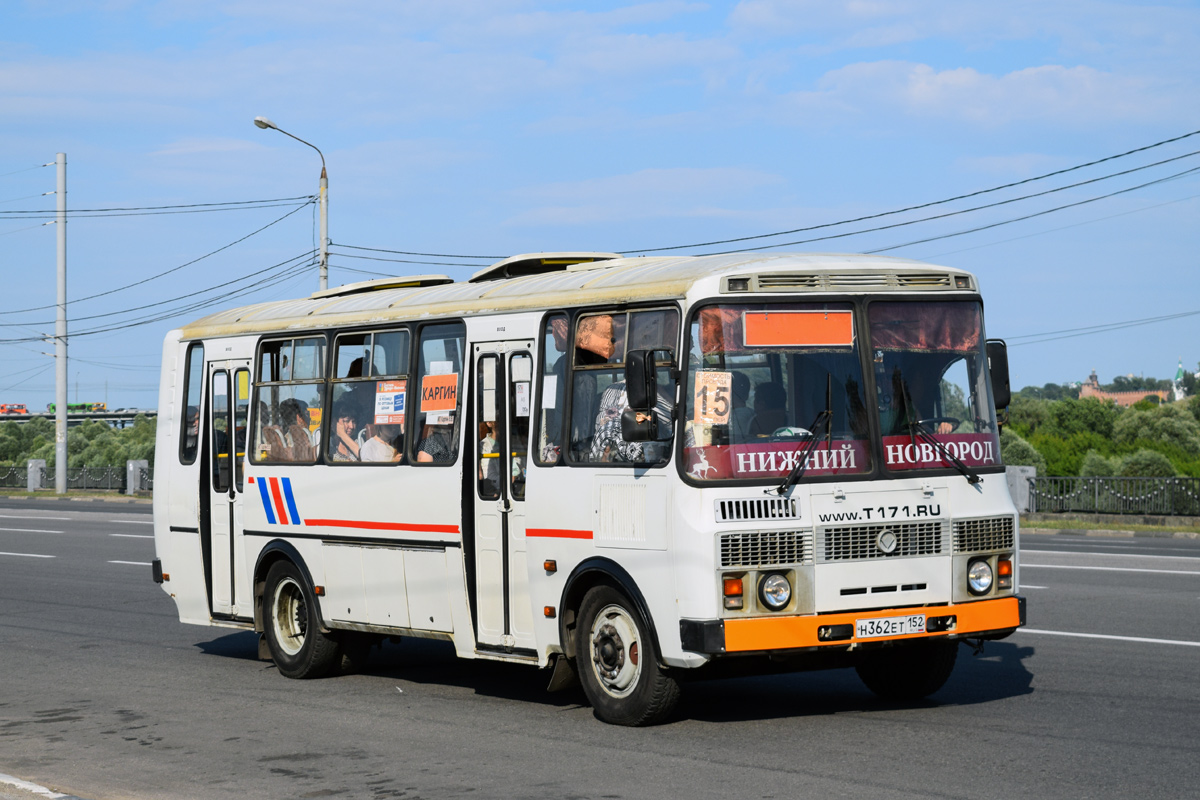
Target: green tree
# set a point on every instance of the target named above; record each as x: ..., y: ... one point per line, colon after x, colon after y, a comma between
x: 1097, y: 466
x: 1146, y: 464
x: 1015, y: 451
x: 1168, y: 424
x: 1089, y: 415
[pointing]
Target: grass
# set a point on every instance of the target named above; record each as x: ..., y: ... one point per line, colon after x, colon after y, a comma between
x: 1106, y: 525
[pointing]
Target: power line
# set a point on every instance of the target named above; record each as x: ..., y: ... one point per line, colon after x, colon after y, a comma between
x: 1038, y: 213
x: 162, y: 274
x: 405, y: 261
x: 410, y: 253
x: 1070, y: 333
x: 232, y: 205
x: 27, y: 169
x: 916, y: 207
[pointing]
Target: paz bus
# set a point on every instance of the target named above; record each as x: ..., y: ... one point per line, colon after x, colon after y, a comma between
x: 625, y: 471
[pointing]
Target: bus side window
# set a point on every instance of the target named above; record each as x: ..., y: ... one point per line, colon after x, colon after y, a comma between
x: 439, y: 381
x: 193, y: 382
x: 555, y: 339
x: 288, y: 401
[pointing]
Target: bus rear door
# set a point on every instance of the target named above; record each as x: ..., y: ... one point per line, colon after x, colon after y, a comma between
x: 229, y: 399
x: 503, y: 382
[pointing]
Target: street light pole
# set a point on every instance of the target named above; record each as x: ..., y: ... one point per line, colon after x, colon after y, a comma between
x: 323, y: 283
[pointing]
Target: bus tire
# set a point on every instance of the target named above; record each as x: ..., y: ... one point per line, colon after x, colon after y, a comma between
x: 297, y: 645
x: 908, y: 671
x: 618, y: 662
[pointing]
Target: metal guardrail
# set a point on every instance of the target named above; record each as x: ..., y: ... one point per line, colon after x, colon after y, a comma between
x: 13, y: 477
x: 1155, y: 496
x: 147, y: 478
x: 96, y: 478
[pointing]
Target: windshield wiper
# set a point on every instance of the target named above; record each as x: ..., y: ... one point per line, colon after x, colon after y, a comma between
x: 919, y: 431
x: 823, y: 423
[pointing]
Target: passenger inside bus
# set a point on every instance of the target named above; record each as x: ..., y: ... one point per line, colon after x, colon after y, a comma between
x: 344, y: 442
x: 741, y: 415
x: 297, y: 436
x: 385, y: 444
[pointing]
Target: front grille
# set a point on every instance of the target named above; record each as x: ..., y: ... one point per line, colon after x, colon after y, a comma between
x: 765, y: 549
x: 738, y: 510
x: 859, y: 543
x: 981, y: 535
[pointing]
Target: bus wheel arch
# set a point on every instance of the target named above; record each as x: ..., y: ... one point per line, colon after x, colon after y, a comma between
x: 279, y: 550
x: 588, y: 574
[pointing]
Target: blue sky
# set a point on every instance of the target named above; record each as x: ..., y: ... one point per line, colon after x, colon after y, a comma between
x: 491, y: 128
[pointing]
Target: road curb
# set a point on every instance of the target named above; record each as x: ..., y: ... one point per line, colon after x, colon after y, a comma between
x: 1111, y: 534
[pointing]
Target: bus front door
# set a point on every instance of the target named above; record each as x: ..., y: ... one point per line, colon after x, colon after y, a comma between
x: 503, y: 383
x: 229, y: 398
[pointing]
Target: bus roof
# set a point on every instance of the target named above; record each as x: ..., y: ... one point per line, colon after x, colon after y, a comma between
x: 577, y: 282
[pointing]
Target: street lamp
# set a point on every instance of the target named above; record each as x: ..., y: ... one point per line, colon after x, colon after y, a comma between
x: 265, y: 123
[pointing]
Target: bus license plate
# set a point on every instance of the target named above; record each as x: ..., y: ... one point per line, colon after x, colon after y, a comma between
x: 888, y: 626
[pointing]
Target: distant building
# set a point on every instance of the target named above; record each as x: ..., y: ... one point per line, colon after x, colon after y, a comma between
x: 1177, y: 385
x: 1091, y: 388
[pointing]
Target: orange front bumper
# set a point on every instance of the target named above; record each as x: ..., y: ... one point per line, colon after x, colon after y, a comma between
x: 786, y: 633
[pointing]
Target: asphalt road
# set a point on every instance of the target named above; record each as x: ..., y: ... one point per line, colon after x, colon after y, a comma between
x: 104, y: 695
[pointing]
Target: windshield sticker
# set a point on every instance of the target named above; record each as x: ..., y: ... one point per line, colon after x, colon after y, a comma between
x: 798, y: 329
x: 389, y: 402
x: 773, y: 460
x: 712, y: 398
x: 973, y: 449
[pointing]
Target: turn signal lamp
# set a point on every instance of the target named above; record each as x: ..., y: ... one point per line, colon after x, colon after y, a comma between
x: 733, y: 592
x: 1004, y: 574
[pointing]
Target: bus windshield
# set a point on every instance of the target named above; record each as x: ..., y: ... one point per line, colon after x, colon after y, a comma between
x: 759, y: 376
x: 931, y: 383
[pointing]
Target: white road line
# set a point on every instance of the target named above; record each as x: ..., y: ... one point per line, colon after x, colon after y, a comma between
x: 131, y: 521
x: 33, y: 788
x: 1027, y: 586
x: 1109, y: 555
x: 132, y: 535
x: 16, y: 516
x: 27, y: 530
x: 27, y: 555
x: 1110, y: 569
x: 1107, y: 636
x: 132, y: 563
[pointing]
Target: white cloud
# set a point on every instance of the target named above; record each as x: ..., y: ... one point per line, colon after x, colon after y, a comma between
x: 1071, y: 96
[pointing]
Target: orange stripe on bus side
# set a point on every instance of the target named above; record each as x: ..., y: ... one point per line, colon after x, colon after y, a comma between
x: 780, y: 633
x: 558, y: 533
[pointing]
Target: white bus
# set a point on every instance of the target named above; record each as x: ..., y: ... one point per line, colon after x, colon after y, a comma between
x: 623, y: 470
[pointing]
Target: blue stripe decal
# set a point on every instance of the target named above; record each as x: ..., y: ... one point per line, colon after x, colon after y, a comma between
x: 291, y: 501
x: 262, y: 490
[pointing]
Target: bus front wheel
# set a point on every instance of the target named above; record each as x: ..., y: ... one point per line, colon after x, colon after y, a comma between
x: 298, y: 647
x: 618, y: 662
x: 908, y: 671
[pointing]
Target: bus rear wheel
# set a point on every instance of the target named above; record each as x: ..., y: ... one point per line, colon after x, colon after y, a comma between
x: 298, y: 647
x: 618, y: 662
x: 908, y: 671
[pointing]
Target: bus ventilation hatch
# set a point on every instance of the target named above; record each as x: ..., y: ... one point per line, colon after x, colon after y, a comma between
x: 756, y: 508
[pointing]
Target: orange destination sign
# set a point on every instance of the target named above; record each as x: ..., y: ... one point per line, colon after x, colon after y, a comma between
x: 439, y: 392
x: 799, y: 328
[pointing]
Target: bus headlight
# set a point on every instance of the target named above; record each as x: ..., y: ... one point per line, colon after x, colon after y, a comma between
x: 775, y: 591
x: 979, y: 576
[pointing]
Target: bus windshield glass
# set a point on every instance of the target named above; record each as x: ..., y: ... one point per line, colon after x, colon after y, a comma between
x: 931, y: 385
x: 759, y: 377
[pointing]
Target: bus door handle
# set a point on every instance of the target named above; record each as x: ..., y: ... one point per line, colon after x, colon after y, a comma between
x: 504, y: 505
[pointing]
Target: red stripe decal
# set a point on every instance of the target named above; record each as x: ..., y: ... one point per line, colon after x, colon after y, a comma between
x: 249, y: 479
x: 558, y: 533
x: 280, y: 509
x: 382, y: 526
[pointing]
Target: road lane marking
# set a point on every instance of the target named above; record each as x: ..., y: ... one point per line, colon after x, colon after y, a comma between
x: 19, y: 516
x: 133, y: 563
x: 1109, y: 555
x: 34, y: 788
x: 1109, y: 636
x: 1027, y: 586
x: 1110, y: 569
x: 27, y: 555
x: 130, y: 521
x: 27, y: 530
x: 132, y: 535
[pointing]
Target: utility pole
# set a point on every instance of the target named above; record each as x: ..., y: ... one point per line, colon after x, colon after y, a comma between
x: 60, y: 337
x: 323, y: 275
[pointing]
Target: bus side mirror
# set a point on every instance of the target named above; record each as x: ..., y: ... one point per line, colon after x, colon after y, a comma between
x: 641, y: 383
x: 997, y: 354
